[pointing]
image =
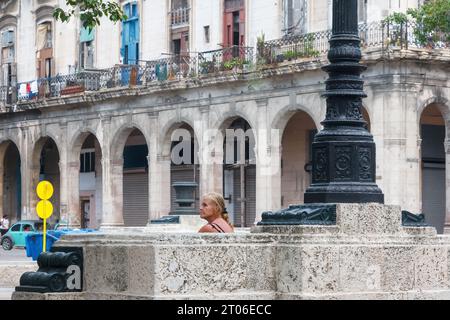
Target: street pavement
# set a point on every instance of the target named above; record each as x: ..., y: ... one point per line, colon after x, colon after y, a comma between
x: 16, y: 256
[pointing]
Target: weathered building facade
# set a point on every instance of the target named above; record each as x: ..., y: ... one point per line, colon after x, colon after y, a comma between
x: 100, y: 114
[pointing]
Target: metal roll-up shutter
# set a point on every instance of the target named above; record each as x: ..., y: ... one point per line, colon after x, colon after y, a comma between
x: 135, y: 199
x: 433, y: 195
x: 183, y: 173
x: 236, y: 197
x: 250, y: 189
x: 250, y: 195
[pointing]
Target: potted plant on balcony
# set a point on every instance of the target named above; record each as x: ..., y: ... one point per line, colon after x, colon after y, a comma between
x: 72, y: 87
x: 290, y: 55
x: 206, y: 67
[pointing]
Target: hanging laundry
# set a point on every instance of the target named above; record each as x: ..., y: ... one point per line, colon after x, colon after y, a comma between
x: 34, y: 87
x: 23, y: 90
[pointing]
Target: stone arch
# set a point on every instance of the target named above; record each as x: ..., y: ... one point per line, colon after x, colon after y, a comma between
x: 8, y: 21
x: 10, y: 138
x: 237, y: 175
x: 44, y: 13
x: 180, y: 171
x: 224, y: 117
x: 51, y: 173
x: 283, y: 116
x: 10, y: 180
x: 85, y: 180
x: 120, y: 138
x: 442, y: 103
x: 129, y: 177
x: 39, y: 142
x: 166, y: 134
x: 223, y: 123
x: 434, y: 157
x: 296, y: 146
x: 77, y: 142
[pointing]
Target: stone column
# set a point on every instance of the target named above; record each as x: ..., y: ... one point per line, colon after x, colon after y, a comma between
x: 159, y: 173
x: 27, y: 172
x: 64, y: 179
x: 268, y: 164
x: 447, y: 186
x: 3, y: 148
x: 112, y: 175
x: 63, y: 194
x: 30, y: 177
x: 98, y: 186
x: 159, y: 186
x: 72, y: 183
x: 401, y: 152
x: 210, y: 157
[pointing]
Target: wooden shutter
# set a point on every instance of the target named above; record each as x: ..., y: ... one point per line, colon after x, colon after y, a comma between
x: 242, y: 27
x: 184, y: 43
x: 228, y: 29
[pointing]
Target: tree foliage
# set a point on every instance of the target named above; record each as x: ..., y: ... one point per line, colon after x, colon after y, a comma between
x: 90, y: 12
x: 432, y: 21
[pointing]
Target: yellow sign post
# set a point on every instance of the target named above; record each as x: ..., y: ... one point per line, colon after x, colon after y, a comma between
x: 44, y: 208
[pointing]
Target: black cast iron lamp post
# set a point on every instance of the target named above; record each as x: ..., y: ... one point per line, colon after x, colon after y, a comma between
x: 344, y: 151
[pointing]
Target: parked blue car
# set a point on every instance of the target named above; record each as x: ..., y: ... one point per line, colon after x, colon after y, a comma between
x: 15, y: 236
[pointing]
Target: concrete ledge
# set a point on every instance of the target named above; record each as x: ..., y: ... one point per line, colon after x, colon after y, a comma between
x: 367, y: 255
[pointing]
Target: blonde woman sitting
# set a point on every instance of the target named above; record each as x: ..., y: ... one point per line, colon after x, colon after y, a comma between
x: 212, y: 209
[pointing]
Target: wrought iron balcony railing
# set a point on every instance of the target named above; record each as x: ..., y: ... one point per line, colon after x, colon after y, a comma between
x: 375, y: 34
x: 233, y: 60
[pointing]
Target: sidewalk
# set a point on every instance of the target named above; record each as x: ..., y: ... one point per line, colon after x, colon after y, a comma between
x: 13, y: 264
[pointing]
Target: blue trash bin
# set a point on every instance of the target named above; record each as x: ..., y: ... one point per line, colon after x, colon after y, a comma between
x: 33, y: 243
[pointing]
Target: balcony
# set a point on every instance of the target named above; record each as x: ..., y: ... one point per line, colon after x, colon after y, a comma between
x: 380, y: 35
x: 227, y: 64
x: 179, y: 17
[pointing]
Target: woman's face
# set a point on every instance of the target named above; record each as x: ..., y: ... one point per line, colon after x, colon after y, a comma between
x: 208, y: 209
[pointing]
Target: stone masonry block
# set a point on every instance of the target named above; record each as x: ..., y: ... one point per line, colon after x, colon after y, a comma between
x: 369, y: 218
x: 106, y: 268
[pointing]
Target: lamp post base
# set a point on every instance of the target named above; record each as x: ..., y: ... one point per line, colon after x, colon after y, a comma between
x: 344, y: 193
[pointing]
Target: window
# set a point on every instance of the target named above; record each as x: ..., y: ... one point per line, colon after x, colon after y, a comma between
x: 7, y: 38
x: 179, y: 4
x: 7, y: 72
x: 86, y: 48
x: 44, y: 36
x: 362, y: 11
x: 206, y: 30
x: 87, y: 55
x: 87, y: 161
x: 27, y: 228
x: 129, y: 49
x: 15, y: 227
x: 295, y: 13
x: 48, y: 67
x: 134, y: 10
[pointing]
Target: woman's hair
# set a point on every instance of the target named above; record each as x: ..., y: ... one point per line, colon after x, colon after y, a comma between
x: 220, y: 203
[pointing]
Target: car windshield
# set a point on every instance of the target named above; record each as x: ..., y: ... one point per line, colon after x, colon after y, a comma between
x: 40, y: 226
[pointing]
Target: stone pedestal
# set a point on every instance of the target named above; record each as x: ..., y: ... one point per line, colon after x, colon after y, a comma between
x: 367, y: 254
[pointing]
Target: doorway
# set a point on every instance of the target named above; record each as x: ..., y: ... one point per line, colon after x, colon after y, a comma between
x: 85, y: 212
